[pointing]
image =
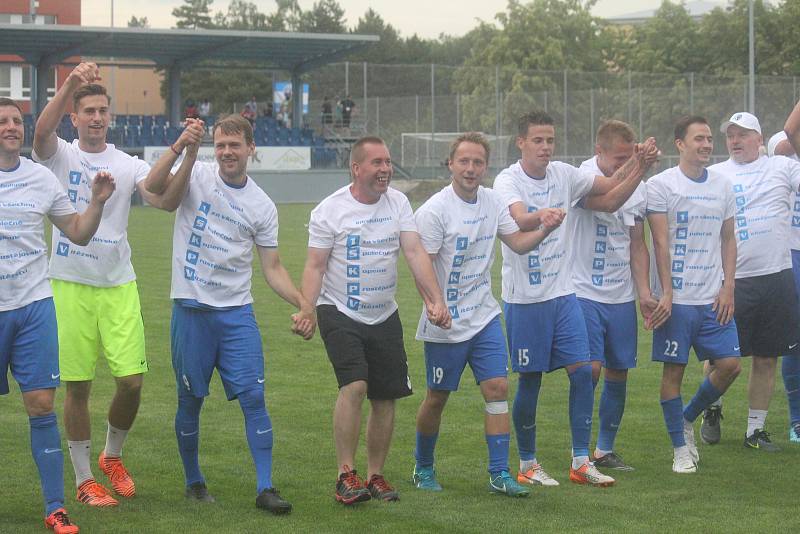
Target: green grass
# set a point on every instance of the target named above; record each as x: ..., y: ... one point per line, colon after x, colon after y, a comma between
x: 734, y: 490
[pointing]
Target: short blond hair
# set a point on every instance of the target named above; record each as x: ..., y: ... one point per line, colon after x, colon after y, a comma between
x: 234, y: 125
x: 470, y: 137
x: 613, y: 130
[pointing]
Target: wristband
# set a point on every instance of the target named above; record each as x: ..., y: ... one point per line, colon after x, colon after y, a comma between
x: 172, y: 147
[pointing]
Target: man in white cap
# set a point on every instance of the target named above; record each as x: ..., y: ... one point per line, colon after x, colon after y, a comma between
x: 767, y: 316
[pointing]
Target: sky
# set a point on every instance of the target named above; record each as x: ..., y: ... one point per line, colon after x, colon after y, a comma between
x: 440, y: 16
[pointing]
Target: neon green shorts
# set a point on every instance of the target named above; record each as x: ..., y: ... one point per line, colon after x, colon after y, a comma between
x: 94, y: 318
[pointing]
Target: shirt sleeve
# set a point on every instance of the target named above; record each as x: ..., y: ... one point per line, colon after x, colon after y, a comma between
x: 140, y: 170
x: 267, y: 230
x: 431, y: 229
x: 506, y: 190
x: 656, y: 197
x: 581, y: 182
x: 320, y: 234
x: 49, y: 162
x: 730, y: 202
x: 505, y: 222
x: 406, y: 216
x: 59, y: 202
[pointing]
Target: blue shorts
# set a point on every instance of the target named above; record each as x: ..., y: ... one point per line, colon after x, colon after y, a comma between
x: 485, y: 353
x: 546, y: 336
x: 612, y: 331
x: 225, y: 339
x: 694, y: 326
x: 29, y: 346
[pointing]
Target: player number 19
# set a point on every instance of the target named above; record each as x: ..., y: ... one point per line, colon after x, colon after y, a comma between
x: 522, y: 357
x: 672, y: 349
x: 438, y: 374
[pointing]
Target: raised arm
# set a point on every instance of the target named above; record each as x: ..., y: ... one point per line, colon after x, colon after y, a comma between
x: 659, y: 231
x: 45, y: 140
x: 421, y: 267
x: 163, y: 189
x: 279, y: 280
x: 724, y: 303
x: 81, y: 228
x: 610, y: 193
x: 792, y: 129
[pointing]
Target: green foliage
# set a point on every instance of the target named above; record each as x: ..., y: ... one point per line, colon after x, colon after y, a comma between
x: 193, y: 14
x: 138, y: 22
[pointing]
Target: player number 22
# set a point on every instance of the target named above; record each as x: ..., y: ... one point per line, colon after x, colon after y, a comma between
x: 522, y: 357
x: 672, y: 349
x: 438, y: 374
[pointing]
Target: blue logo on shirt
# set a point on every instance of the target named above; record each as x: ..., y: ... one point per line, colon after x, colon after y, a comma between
x: 677, y: 283
x: 353, y: 288
x: 600, y: 247
x: 353, y: 271
x: 188, y: 273
x: 353, y: 240
x: 598, y: 264
x: 597, y: 279
x: 191, y: 257
x: 680, y: 250
x: 454, y: 277
x: 73, y: 195
x: 795, y: 221
x: 681, y: 233
x: 738, y: 188
x: 453, y: 311
x: 744, y: 235
x: 533, y: 262
x: 797, y: 205
x: 353, y: 304
x: 63, y: 249
x: 452, y: 294
x: 205, y: 207
x: 200, y: 223
x: 353, y: 253
x: 531, y: 209
x: 683, y: 217
x: 74, y: 177
x: 461, y: 243
x: 677, y: 266
x: 458, y: 261
x: 741, y: 222
x: 195, y: 240
x: 602, y: 230
x: 740, y: 201
x: 535, y: 278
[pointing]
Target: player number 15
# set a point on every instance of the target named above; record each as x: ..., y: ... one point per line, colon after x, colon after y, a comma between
x: 522, y: 357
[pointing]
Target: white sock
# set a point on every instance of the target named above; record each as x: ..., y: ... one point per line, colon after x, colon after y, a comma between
x: 525, y: 465
x: 755, y: 421
x: 599, y: 453
x: 688, y: 426
x: 578, y: 461
x: 115, y: 437
x: 683, y: 449
x: 80, y: 454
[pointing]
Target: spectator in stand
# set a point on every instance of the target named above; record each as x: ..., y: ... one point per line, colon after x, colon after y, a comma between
x: 347, y: 110
x: 190, y: 111
x: 250, y: 111
x: 205, y: 110
x: 327, y: 111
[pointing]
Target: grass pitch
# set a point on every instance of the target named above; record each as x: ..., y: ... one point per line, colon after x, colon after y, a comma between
x: 734, y: 490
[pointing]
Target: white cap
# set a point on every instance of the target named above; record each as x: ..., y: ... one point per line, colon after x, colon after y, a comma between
x: 748, y: 121
x: 773, y: 142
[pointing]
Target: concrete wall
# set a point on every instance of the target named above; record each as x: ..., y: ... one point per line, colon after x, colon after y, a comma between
x: 300, y: 186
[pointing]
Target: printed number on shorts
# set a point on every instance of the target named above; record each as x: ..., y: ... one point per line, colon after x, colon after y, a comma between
x: 522, y: 357
x: 672, y: 349
x: 438, y: 374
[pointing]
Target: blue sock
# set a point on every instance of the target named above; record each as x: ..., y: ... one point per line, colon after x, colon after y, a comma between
x: 498, y: 452
x: 425, y: 447
x: 706, y: 394
x: 612, y: 406
x: 581, y: 405
x: 258, y: 428
x: 187, y: 430
x: 790, y: 368
x: 673, y: 417
x: 49, y: 458
x: 524, y: 414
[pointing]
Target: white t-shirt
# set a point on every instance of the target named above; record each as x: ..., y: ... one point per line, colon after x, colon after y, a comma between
x: 361, y: 277
x: 695, y: 212
x: 27, y: 194
x: 764, y: 201
x: 794, y: 231
x: 545, y: 272
x: 212, y: 242
x: 106, y: 260
x: 462, y: 237
x: 601, y: 246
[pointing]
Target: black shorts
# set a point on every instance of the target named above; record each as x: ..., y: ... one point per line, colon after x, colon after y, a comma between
x: 373, y: 353
x: 767, y: 315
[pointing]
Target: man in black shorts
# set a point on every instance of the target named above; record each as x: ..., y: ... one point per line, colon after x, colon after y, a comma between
x: 767, y: 316
x: 355, y: 235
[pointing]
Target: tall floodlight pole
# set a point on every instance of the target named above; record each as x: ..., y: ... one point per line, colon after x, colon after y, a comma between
x: 752, y: 63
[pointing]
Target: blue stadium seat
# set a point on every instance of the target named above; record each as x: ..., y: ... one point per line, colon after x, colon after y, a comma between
x: 147, y: 121
x: 171, y: 134
x: 121, y: 120
x: 161, y: 120
x: 134, y: 120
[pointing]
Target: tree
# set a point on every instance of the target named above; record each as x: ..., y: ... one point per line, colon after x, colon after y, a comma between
x: 193, y: 14
x: 242, y: 15
x: 325, y: 16
x: 138, y: 22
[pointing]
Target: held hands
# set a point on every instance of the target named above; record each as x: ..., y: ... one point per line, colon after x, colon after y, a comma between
x: 192, y: 136
x: 646, y: 153
x: 658, y: 313
x: 438, y: 314
x: 551, y: 218
x: 84, y: 73
x: 102, y: 187
x: 723, y: 304
x: 304, y: 323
